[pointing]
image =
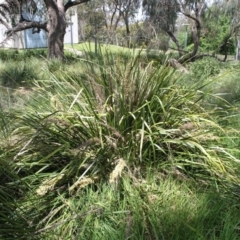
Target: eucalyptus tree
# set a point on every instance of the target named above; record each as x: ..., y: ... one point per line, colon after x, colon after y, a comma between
x: 127, y: 10
x: 232, y: 7
x: 163, y: 15
x: 53, y: 20
x: 98, y: 16
x: 223, y: 23
x: 119, y: 12
x: 92, y: 20
x: 111, y: 14
x: 113, y: 18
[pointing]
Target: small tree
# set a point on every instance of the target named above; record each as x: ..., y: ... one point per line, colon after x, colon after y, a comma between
x: 163, y: 15
x: 199, y: 15
x: 54, y: 21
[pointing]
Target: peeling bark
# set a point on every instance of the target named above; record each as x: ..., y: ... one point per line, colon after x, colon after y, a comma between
x: 56, y: 29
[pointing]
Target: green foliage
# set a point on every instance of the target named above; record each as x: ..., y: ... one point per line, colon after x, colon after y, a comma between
x: 55, y: 65
x: 148, y: 210
x: 37, y: 53
x: 202, y: 69
x: 215, y: 32
x: 227, y: 88
x: 8, y: 54
x: 16, y: 74
x: 92, y: 149
x: 181, y: 36
x: 104, y: 48
x: 12, y: 218
x: 20, y: 55
x: 162, y: 18
x: 132, y: 113
x: 159, y: 58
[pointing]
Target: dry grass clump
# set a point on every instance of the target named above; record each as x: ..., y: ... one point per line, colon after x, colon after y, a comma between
x: 48, y: 185
x: 117, y: 172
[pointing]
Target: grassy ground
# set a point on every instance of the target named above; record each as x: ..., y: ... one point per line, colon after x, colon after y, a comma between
x: 104, y: 47
x: 154, y: 208
x: 118, y: 148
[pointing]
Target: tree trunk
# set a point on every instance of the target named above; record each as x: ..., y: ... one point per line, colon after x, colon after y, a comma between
x: 55, y: 43
x: 56, y: 30
x: 174, y: 39
x: 196, y: 39
x: 238, y: 50
x: 127, y: 31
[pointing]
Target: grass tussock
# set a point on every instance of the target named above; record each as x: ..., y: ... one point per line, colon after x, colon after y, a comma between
x: 119, y: 150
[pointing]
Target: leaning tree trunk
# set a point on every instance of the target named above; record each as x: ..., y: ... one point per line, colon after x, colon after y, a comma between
x: 126, y: 21
x: 196, y: 31
x: 56, y: 30
x: 175, y: 40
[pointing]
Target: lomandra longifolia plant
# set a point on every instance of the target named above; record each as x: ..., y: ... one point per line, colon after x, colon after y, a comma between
x: 113, y: 116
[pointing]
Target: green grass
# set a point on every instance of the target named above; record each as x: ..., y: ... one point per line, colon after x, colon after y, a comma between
x: 154, y: 208
x: 157, y: 56
x: 90, y: 46
x: 116, y: 148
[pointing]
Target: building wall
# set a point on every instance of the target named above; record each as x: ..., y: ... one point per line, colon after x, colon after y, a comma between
x: 16, y: 41
x: 36, y: 40
x: 71, y: 35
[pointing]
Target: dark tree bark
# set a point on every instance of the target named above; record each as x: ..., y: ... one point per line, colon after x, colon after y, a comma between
x: 56, y: 28
x: 196, y: 31
x: 126, y: 21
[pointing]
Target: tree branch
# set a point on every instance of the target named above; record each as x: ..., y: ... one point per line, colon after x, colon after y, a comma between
x: 200, y: 56
x: 5, y: 23
x: 25, y: 24
x: 193, y: 18
x: 175, y: 40
x: 226, y: 41
x: 71, y: 3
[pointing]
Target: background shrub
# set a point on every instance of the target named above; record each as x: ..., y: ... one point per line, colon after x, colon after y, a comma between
x: 22, y: 55
x: 17, y: 74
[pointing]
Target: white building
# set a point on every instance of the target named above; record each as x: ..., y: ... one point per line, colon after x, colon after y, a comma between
x: 26, y: 39
x: 71, y: 35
